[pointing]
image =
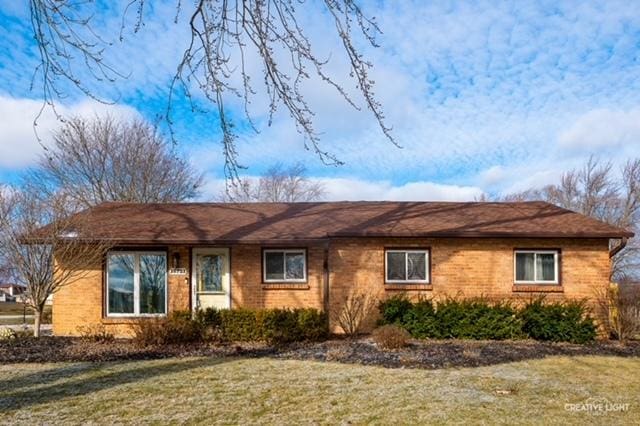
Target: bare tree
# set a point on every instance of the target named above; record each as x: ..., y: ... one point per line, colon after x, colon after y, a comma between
x: 103, y: 159
x: 277, y: 184
x: 596, y: 190
x: 44, y: 245
x: 224, y: 35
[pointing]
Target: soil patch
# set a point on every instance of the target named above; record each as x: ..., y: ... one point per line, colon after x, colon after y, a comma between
x: 419, y: 354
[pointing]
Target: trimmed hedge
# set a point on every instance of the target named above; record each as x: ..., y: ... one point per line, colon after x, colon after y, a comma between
x: 482, y: 320
x: 557, y: 322
x: 275, y: 326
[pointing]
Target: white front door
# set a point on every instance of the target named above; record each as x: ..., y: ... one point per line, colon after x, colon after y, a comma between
x: 210, y: 278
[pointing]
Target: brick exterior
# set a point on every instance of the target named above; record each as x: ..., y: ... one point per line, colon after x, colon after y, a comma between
x: 464, y: 267
x: 470, y: 267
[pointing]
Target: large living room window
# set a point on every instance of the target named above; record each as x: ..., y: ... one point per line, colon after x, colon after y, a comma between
x: 284, y: 265
x: 136, y: 283
x: 407, y: 266
x: 536, y: 267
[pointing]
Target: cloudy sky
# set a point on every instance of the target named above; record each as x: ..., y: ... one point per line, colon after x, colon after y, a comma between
x: 482, y: 96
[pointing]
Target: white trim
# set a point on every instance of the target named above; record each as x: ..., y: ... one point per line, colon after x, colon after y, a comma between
x: 194, y: 275
x: 535, y: 281
x: 406, y: 266
x: 136, y: 284
x: 284, y: 266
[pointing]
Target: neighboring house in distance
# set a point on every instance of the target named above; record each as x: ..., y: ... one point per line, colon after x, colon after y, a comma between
x: 11, y: 292
x: 169, y: 257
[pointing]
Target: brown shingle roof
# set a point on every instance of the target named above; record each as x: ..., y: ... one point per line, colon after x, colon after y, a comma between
x: 273, y: 222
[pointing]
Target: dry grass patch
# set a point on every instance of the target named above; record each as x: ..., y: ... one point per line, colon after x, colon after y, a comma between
x: 268, y: 391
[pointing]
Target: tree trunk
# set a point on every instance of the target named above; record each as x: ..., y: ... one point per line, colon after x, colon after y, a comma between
x: 36, y: 322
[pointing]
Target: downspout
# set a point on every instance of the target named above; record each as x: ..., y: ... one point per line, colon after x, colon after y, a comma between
x: 619, y: 247
x: 325, y: 278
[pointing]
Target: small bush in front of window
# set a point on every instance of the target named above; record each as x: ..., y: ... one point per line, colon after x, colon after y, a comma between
x: 149, y: 332
x: 178, y: 328
x: 95, y: 333
x: 477, y: 319
x: 394, y: 309
x: 240, y: 325
x: 279, y: 326
x: 390, y: 337
x: 420, y: 320
x: 313, y: 324
x: 557, y: 322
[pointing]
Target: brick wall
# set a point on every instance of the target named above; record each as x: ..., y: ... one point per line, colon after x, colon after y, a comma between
x: 467, y: 268
x: 459, y: 267
x: 81, y: 303
x: 248, y: 290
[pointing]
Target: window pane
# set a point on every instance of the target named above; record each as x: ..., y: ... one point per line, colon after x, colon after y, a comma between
x: 120, y: 283
x: 416, y: 266
x: 274, y: 265
x: 524, y: 266
x: 210, y: 272
x: 545, y: 267
x: 295, y: 266
x: 396, y: 266
x: 153, y: 271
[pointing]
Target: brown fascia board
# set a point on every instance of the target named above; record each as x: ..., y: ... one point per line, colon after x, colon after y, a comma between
x: 338, y: 235
x: 625, y: 234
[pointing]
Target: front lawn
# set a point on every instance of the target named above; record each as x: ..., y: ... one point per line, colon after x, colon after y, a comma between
x: 267, y: 391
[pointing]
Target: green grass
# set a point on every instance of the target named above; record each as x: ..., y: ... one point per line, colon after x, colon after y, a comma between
x: 268, y: 391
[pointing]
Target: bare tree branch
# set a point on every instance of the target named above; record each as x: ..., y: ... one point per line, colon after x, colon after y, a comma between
x: 223, y: 35
x: 595, y: 190
x: 104, y: 159
x: 278, y: 184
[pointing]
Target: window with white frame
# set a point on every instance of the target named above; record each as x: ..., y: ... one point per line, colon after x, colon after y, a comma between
x: 136, y: 283
x: 284, y: 265
x: 407, y: 266
x: 536, y: 266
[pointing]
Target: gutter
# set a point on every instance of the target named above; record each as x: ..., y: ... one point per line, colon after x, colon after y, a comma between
x: 615, y: 250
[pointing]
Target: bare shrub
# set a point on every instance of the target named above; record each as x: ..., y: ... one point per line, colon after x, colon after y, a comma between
x: 177, y: 329
x: 621, y: 306
x: 95, y: 333
x: 149, y: 332
x: 351, y: 313
x: 390, y: 337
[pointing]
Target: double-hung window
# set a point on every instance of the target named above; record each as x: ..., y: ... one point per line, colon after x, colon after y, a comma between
x: 537, y: 266
x: 136, y: 283
x: 284, y: 265
x: 407, y: 266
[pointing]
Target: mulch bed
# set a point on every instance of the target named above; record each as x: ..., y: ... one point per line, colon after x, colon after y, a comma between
x: 420, y: 354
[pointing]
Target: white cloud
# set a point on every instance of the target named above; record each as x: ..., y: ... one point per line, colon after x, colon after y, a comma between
x: 19, y: 146
x: 479, y: 94
x: 602, y: 129
x: 352, y: 189
x: 358, y: 189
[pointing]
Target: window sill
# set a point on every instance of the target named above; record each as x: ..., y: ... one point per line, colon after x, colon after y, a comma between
x: 130, y: 319
x: 285, y: 286
x: 408, y: 287
x: 538, y: 288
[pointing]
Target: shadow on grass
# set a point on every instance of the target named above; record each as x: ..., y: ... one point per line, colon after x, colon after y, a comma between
x: 93, y: 381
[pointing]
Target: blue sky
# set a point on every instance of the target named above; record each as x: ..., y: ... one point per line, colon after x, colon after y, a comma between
x: 483, y: 96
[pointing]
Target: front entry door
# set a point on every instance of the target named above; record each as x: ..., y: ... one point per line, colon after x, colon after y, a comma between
x: 210, y: 278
